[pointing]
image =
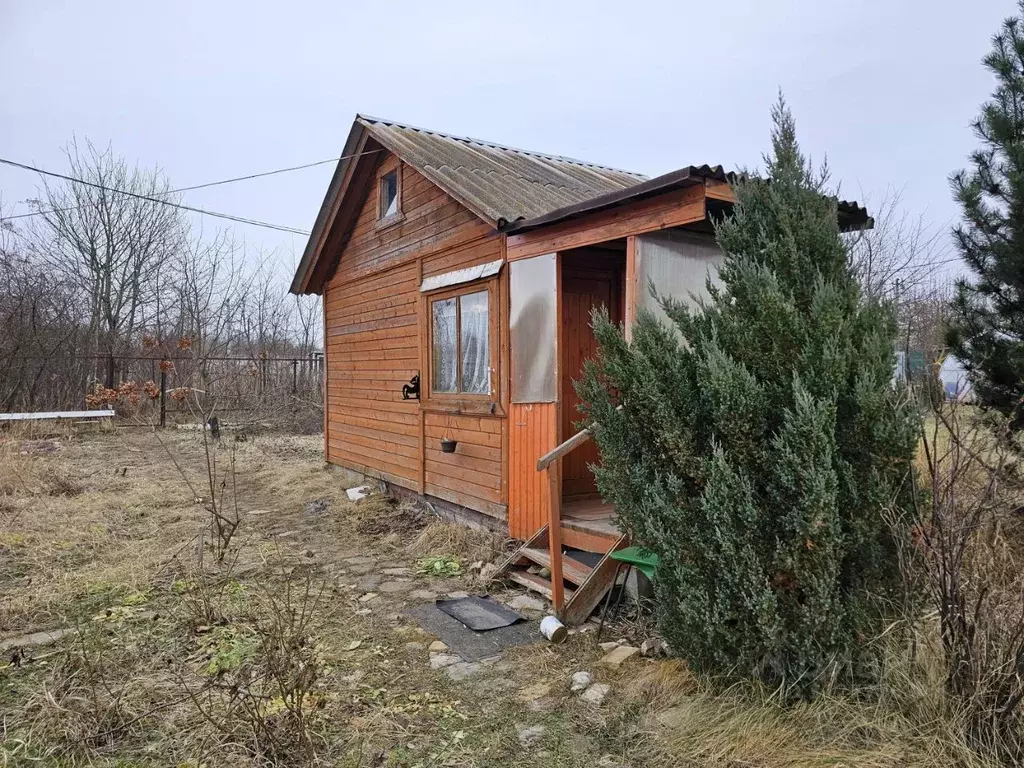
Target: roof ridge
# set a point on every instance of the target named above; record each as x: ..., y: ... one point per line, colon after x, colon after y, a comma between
x: 495, y: 145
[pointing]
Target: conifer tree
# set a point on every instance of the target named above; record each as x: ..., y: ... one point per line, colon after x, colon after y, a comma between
x: 760, y: 439
x: 987, y: 328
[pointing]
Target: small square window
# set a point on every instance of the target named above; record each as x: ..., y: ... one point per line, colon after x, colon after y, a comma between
x: 389, y: 194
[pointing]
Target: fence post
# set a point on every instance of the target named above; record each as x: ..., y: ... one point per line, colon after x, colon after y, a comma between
x: 110, y: 370
x: 163, y: 398
x: 295, y: 377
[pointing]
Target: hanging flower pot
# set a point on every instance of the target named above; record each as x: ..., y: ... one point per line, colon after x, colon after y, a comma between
x: 448, y: 445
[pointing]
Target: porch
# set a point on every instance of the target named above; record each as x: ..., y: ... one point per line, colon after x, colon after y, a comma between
x: 554, y: 503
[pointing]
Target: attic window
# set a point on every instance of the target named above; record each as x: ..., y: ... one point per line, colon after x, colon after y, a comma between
x: 389, y: 194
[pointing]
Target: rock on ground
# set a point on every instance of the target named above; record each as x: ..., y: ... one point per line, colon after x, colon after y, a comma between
x: 530, y: 735
x: 580, y: 681
x: 462, y: 670
x: 595, y: 693
x: 526, y: 603
x: 35, y: 639
x: 423, y: 594
x: 442, y: 660
x: 393, y: 587
x: 616, y: 656
x: 652, y: 647
x: 438, y: 646
x: 368, y: 583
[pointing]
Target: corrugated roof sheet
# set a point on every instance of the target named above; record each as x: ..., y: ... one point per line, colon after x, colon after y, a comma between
x: 499, y: 184
x: 512, y: 189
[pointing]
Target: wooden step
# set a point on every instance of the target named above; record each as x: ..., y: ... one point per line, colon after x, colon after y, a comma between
x: 534, y: 582
x: 572, y: 570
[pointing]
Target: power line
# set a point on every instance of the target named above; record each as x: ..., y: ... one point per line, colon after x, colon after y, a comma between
x: 229, y: 217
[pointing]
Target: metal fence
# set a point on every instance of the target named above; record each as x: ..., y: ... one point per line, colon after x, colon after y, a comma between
x: 160, y: 388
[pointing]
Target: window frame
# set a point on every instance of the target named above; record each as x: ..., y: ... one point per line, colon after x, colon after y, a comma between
x: 383, y: 219
x: 462, y: 402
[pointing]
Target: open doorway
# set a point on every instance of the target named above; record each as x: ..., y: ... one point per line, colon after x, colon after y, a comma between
x: 591, y: 277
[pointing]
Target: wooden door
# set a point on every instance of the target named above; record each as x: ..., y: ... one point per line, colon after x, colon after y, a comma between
x: 583, y: 289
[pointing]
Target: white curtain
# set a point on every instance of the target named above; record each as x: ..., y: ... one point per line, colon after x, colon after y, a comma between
x: 444, y: 346
x: 476, y: 357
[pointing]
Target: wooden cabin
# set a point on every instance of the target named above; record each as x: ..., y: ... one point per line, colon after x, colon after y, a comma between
x: 458, y: 279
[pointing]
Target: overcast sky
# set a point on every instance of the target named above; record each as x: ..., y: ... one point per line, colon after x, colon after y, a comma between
x: 209, y: 90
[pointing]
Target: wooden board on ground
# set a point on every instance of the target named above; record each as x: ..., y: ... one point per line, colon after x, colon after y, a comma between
x: 56, y: 415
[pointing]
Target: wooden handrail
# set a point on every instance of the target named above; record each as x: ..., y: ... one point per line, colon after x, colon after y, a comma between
x: 568, y: 446
x: 559, y: 451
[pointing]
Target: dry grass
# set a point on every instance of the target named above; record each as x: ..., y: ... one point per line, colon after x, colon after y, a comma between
x: 100, y: 532
x: 468, y: 544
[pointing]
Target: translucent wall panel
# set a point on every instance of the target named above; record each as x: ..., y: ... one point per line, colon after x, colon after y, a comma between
x: 678, y: 263
x: 532, y: 317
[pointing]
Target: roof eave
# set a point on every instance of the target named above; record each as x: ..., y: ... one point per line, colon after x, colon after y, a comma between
x: 851, y: 215
x: 683, y: 177
x: 310, y: 256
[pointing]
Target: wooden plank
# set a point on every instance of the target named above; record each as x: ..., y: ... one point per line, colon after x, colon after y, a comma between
x: 462, y: 435
x: 373, y: 461
x: 532, y: 432
x: 465, y: 463
x: 377, y: 444
x: 458, y: 485
x: 586, y: 598
x: 421, y: 362
x: 489, y: 424
x: 559, y: 451
x: 554, y: 478
x: 469, y: 451
x: 457, y: 473
x: 472, y: 254
x: 372, y: 472
x: 413, y: 250
x: 57, y: 415
x: 536, y: 583
x: 719, y: 190
x: 325, y: 385
x: 585, y: 540
x: 489, y: 508
x: 399, y: 433
x: 631, y: 286
x: 672, y: 209
x: 538, y: 540
x: 573, y: 570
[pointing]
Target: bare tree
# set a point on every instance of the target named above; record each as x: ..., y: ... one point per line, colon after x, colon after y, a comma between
x: 39, y: 329
x: 107, y: 238
x: 899, y: 254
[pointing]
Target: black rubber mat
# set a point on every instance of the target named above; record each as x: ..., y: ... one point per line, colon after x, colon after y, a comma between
x: 480, y: 614
x: 470, y: 645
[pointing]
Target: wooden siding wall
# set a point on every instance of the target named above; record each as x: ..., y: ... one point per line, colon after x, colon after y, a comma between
x: 373, y: 313
x: 533, y: 432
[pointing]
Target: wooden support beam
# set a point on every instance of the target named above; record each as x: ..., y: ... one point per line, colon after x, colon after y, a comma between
x: 673, y: 209
x: 555, y: 537
x: 631, y: 287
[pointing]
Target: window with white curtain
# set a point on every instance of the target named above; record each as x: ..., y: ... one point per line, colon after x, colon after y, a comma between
x: 460, y: 344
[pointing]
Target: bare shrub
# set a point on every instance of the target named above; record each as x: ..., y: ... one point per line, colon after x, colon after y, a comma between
x: 965, y: 536
x: 104, y: 689
x: 266, y: 686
